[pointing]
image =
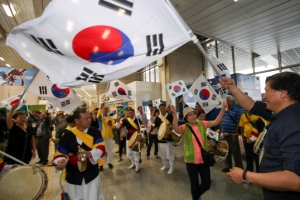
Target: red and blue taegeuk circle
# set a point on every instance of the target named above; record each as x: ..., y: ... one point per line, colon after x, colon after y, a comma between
x: 177, y: 88
x: 60, y: 92
x: 204, y: 94
x: 121, y: 91
x: 13, y: 102
x: 102, y: 44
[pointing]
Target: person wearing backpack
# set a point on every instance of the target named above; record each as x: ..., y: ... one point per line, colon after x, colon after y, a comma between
x: 250, y: 129
x: 194, y: 136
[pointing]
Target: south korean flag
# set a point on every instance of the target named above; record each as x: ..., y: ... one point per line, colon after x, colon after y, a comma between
x: 176, y: 89
x: 119, y: 90
x: 205, y: 94
x: 220, y: 70
x: 8, y: 103
x: 156, y: 103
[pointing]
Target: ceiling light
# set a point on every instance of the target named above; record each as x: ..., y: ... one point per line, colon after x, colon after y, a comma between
x: 85, y: 92
x: 7, y: 10
x: 235, y: 0
x: 79, y: 95
x: 7, y: 65
x: 1, y: 58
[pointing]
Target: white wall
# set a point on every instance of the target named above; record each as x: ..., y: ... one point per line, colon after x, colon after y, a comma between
x: 145, y: 91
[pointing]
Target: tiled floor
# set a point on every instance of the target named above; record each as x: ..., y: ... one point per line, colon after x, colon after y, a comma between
x: 152, y: 184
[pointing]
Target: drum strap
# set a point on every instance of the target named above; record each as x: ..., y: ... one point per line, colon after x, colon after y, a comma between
x: 197, y: 139
x: 165, y: 120
x: 132, y: 123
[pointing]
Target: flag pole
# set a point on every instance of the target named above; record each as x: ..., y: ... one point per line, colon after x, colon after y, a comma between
x: 193, y: 37
x: 13, y: 158
x: 26, y: 88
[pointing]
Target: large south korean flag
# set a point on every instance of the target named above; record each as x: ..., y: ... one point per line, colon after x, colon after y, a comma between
x: 63, y: 98
x: 205, y: 94
x: 77, y: 42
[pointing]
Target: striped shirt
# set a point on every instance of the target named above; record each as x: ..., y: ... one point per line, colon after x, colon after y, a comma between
x: 228, y: 124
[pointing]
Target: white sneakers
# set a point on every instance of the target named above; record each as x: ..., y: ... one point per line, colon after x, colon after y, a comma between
x: 131, y: 167
x: 137, y: 169
x: 171, y: 170
x: 163, y: 168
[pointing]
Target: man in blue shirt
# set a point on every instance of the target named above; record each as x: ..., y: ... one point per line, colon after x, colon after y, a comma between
x: 229, y: 128
x: 280, y: 165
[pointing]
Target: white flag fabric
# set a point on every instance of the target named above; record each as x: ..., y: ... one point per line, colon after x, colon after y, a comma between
x: 63, y: 98
x: 83, y: 42
x: 222, y: 70
x: 117, y: 89
x: 7, y: 103
x: 212, y: 134
x: 176, y: 89
x: 205, y: 94
x: 156, y: 103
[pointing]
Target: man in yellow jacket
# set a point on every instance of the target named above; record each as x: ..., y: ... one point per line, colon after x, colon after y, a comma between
x: 106, y: 126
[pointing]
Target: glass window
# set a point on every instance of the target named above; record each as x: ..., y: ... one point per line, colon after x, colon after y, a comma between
x: 152, y: 75
x: 243, y: 63
x: 263, y: 77
x: 264, y: 63
x: 147, y: 77
x: 156, y: 74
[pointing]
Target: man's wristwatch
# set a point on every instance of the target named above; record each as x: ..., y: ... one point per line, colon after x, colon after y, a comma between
x: 245, y: 180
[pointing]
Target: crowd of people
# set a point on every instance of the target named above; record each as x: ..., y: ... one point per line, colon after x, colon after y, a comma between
x: 83, y: 140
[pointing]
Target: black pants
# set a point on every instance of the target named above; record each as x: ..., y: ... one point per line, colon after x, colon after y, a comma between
x: 193, y: 171
x: 42, y: 146
x: 122, y: 144
x: 151, y: 139
x: 250, y: 156
x: 234, y: 150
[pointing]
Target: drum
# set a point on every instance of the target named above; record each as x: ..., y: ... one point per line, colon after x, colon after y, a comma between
x: 23, y: 182
x: 259, y: 143
x: 164, y: 131
x: 176, y: 138
x: 218, y: 148
x: 137, y: 141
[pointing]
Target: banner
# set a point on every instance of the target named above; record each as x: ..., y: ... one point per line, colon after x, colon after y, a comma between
x: 205, y: 94
x: 15, y: 77
x: 85, y: 42
x: 7, y: 103
x: 119, y: 90
x: 63, y: 98
x: 176, y: 89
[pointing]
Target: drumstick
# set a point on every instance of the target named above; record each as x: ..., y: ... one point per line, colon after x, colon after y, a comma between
x: 13, y: 158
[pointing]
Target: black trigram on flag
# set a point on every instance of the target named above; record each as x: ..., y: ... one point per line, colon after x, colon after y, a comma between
x: 90, y: 76
x: 116, y: 84
x: 170, y: 87
x: 48, y: 44
x: 173, y: 94
x: 43, y: 89
x: 120, y: 6
x: 155, y: 44
x: 196, y: 92
x: 205, y: 104
x: 129, y: 93
x: 213, y: 97
x: 65, y: 103
x: 223, y: 91
x: 179, y: 83
x: 222, y: 67
x: 203, y: 84
x: 114, y: 94
x: 183, y: 89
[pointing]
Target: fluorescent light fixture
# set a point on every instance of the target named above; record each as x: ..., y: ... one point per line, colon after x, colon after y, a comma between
x: 1, y: 58
x: 79, y: 95
x: 7, y: 65
x: 85, y: 92
x: 7, y: 10
x: 235, y: 0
